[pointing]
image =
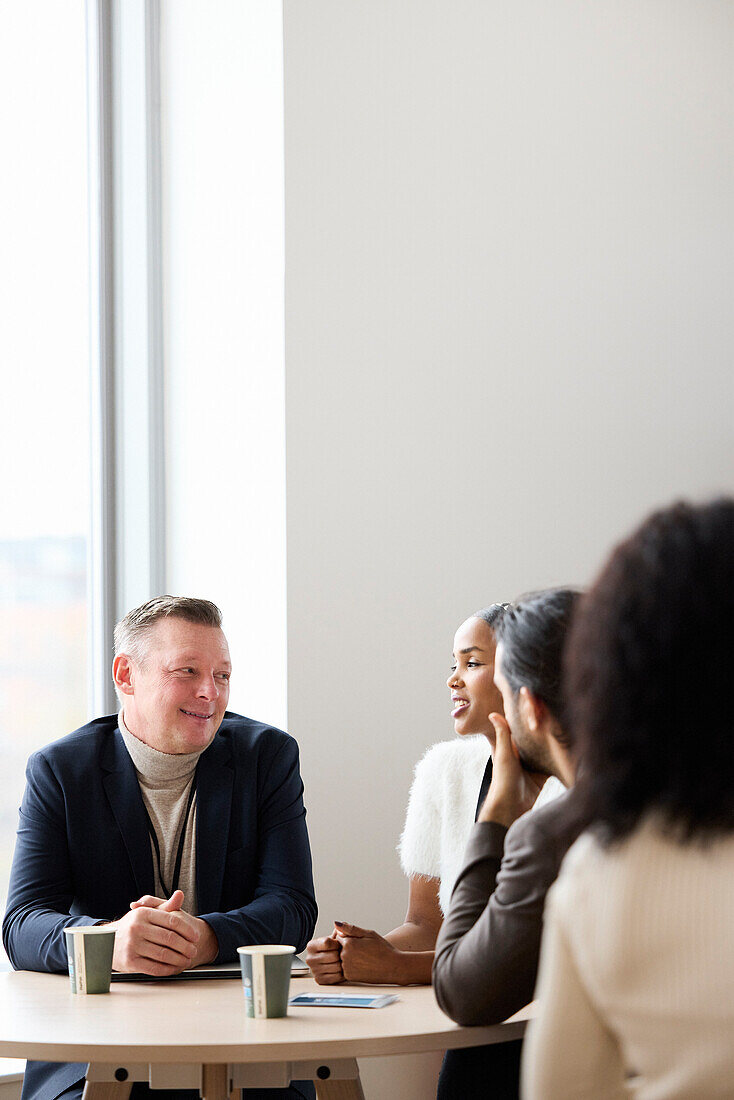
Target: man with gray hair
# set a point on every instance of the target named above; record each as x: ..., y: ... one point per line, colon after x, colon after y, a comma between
x: 180, y: 823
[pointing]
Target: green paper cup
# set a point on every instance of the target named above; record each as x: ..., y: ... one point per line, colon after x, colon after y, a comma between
x: 266, y: 977
x: 89, y: 949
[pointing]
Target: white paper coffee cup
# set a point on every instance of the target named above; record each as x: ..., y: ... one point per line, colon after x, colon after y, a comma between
x: 89, y: 950
x: 266, y: 975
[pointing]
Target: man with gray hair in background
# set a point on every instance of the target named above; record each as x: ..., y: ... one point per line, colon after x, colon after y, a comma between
x: 180, y: 823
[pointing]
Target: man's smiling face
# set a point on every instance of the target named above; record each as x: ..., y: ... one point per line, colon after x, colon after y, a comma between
x: 175, y: 699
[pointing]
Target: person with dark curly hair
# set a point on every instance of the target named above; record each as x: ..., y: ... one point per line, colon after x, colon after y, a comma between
x: 637, y: 966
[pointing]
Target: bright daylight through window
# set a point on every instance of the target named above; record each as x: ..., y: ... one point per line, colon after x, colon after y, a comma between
x: 44, y: 290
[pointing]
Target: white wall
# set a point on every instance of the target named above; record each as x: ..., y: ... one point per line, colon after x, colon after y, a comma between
x: 222, y: 132
x: 509, y: 261
x: 509, y: 253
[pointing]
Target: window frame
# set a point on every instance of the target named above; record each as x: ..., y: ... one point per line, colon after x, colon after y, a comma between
x: 127, y: 550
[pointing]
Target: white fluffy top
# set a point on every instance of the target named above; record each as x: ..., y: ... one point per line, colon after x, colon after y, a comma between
x: 441, y: 809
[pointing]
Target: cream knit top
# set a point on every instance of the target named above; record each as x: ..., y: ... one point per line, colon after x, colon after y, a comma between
x: 165, y: 782
x: 636, y: 984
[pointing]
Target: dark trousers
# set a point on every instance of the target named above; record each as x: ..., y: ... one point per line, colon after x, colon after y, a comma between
x: 484, y: 1073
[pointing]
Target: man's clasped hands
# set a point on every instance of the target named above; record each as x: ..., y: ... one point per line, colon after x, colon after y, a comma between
x: 160, y: 938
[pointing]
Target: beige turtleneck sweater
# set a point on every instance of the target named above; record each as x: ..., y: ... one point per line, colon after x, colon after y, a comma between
x: 165, y: 782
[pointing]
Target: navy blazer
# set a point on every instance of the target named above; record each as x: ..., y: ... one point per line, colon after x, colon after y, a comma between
x: 83, y: 849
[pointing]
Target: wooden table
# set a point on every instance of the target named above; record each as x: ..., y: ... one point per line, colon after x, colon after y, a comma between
x: 195, y: 1034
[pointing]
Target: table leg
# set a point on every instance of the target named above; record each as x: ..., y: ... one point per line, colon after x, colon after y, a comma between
x: 215, y: 1083
x: 350, y: 1089
x: 107, y: 1090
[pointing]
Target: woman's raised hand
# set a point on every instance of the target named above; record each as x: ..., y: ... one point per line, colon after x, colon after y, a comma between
x: 513, y: 790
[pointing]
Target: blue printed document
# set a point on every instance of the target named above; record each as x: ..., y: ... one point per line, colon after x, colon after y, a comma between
x: 341, y: 1000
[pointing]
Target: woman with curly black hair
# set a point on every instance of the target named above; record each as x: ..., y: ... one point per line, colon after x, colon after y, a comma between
x: 637, y: 969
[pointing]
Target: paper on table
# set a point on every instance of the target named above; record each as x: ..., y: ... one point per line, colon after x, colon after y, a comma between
x: 299, y: 969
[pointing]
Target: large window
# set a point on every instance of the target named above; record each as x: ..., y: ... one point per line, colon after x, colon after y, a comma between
x: 45, y: 439
x: 106, y: 477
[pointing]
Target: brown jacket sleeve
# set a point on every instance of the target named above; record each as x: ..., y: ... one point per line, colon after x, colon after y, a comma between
x: 487, y: 950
